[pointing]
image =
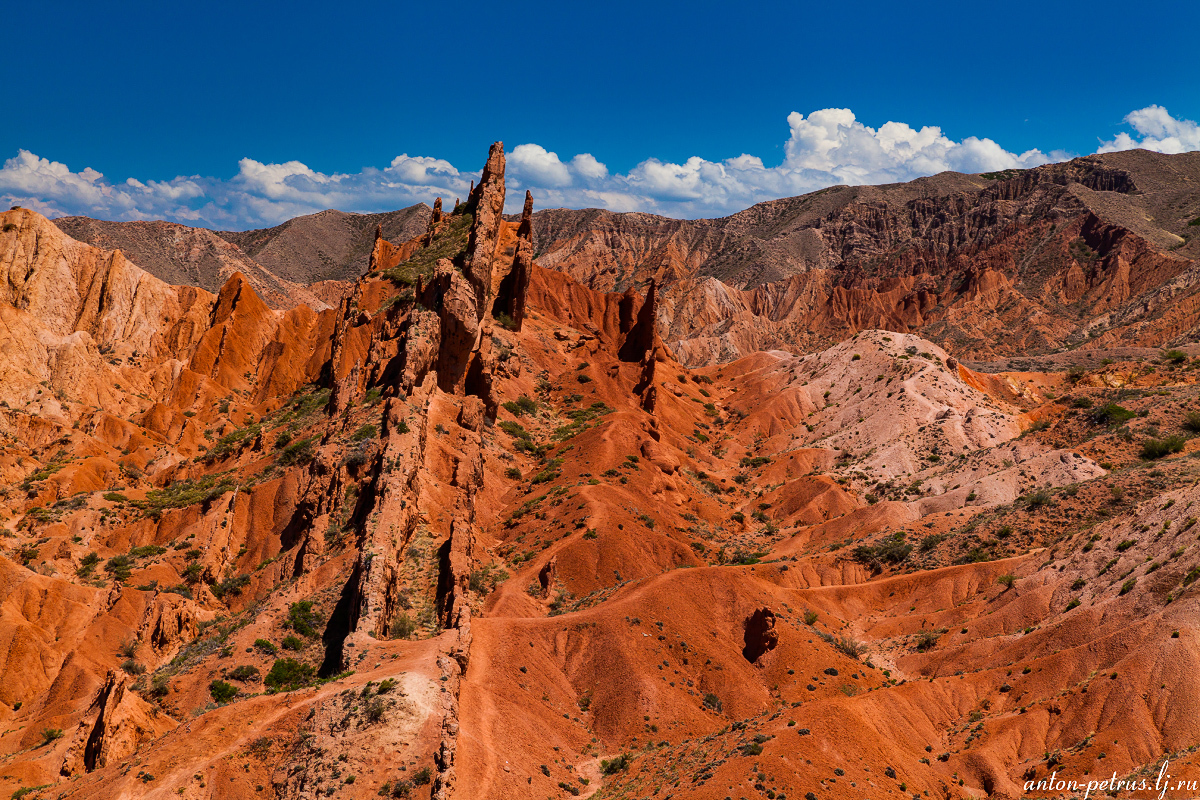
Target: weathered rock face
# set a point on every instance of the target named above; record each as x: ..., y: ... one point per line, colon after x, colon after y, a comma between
x: 460, y: 317
x: 514, y: 286
x: 487, y: 204
x: 759, y: 634
x: 984, y: 265
x: 436, y: 217
x: 119, y: 724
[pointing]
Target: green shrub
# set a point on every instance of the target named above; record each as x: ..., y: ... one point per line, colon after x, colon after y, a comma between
x: 1035, y: 500
x: 849, y: 647
x: 713, y: 703
x: 1127, y: 586
x: 221, y: 691
x: 120, y: 568
x: 243, y: 673
x: 87, y: 565
x: 303, y: 620
x: 1110, y: 414
x: 611, y: 766
x: 298, y: 453
x: 931, y: 541
x: 365, y: 432
x: 50, y: 734
x: 422, y: 777
x: 1153, y: 449
x: 522, y: 405
x: 1175, y: 356
x: 292, y: 643
x: 265, y: 647
x: 192, y: 572
x: 230, y: 587
x: 890, y: 550
x: 927, y: 639
x: 403, y: 626
x: 288, y: 674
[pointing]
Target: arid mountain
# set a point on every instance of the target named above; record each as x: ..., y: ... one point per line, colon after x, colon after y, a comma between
x: 329, y: 245
x: 313, y: 259
x: 477, y: 533
x: 1099, y: 251
x: 186, y: 256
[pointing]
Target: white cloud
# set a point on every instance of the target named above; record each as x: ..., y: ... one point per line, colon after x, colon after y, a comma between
x: 1159, y: 131
x: 534, y: 165
x: 829, y: 146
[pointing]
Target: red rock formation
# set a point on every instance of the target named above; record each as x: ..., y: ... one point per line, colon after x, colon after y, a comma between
x: 632, y: 544
x: 985, y: 265
x: 486, y: 202
x: 511, y: 296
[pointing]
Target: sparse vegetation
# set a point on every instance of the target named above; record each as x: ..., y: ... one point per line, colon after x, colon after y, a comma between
x: 888, y: 551
x: 521, y: 406
x: 403, y: 626
x: 288, y: 674
x: 181, y: 494
x: 1111, y: 414
x: 927, y: 640
x: 612, y: 766
x: 1153, y: 449
x: 303, y: 619
x: 298, y: 453
x: 365, y: 432
x: 221, y: 691
x: 449, y: 242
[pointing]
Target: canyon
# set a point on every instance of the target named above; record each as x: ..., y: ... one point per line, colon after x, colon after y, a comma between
x: 874, y: 492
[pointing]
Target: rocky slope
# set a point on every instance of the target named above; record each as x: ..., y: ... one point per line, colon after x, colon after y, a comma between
x: 186, y: 256
x: 1098, y: 251
x: 476, y: 532
x: 312, y: 260
x: 326, y: 246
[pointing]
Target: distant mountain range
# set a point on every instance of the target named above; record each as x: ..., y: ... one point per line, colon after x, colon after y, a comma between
x: 311, y: 259
x: 1018, y: 262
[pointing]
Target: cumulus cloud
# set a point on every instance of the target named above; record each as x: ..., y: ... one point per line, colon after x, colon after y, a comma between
x: 257, y: 195
x: 1156, y: 130
x: 827, y: 147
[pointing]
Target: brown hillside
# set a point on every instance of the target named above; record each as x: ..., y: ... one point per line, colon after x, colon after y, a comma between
x: 1093, y: 252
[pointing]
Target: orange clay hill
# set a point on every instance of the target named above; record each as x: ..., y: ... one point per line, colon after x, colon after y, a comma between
x: 476, y: 533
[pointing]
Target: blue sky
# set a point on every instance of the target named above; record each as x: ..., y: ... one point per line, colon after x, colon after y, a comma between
x: 239, y: 115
